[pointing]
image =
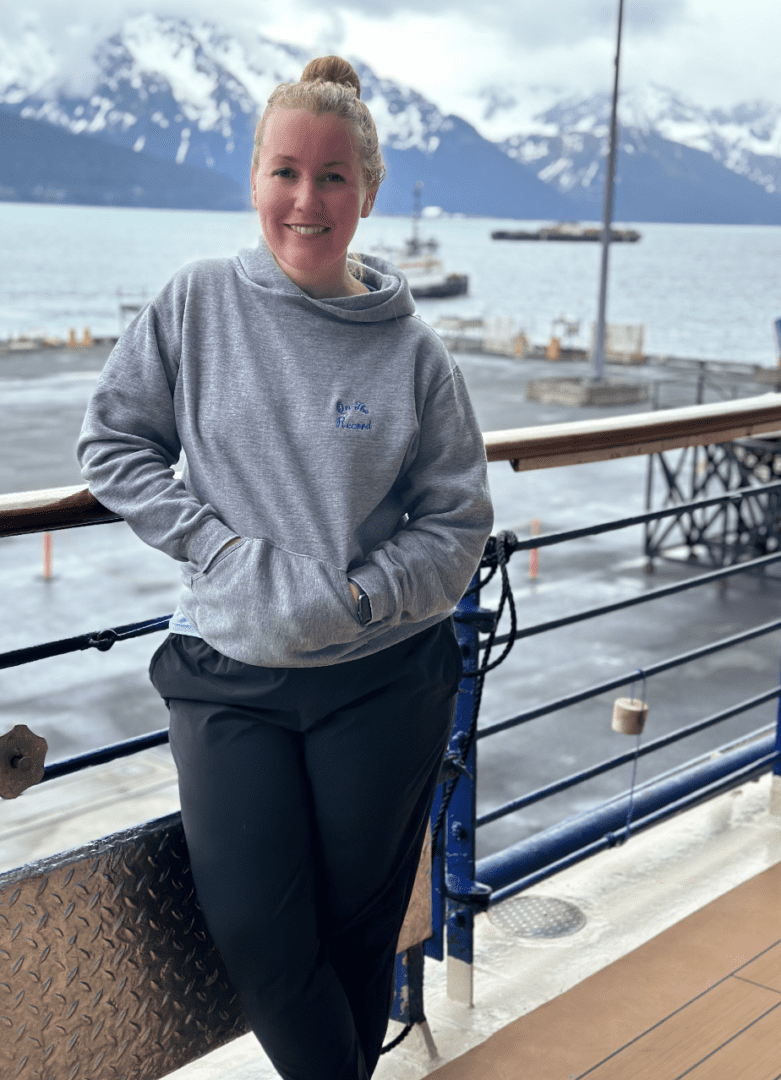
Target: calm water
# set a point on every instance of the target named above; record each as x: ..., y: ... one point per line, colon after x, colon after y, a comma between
x: 701, y: 290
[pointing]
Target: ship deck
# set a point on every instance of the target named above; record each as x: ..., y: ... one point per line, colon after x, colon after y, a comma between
x: 676, y: 971
x: 699, y: 1000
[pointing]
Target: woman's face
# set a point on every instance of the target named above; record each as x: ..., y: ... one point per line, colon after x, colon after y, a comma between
x: 309, y: 193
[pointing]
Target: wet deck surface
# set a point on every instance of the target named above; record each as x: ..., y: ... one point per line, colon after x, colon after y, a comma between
x: 701, y: 1000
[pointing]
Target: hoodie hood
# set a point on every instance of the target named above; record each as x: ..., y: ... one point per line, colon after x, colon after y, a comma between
x: 390, y: 297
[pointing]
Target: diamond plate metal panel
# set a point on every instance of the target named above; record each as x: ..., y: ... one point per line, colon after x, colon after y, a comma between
x: 107, y: 971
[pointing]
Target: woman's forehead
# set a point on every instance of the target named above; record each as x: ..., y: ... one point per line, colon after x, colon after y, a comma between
x: 300, y: 137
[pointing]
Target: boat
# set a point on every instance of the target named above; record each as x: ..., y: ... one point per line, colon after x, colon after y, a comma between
x: 566, y: 230
x: 418, y: 261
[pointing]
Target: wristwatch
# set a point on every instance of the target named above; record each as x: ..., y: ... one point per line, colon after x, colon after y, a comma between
x: 363, y: 607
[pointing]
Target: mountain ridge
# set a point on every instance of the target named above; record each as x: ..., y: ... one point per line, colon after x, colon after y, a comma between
x: 188, y: 94
x: 731, y: 157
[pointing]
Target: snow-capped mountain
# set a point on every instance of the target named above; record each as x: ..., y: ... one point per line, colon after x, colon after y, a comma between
x: 677, y: 160
x: 170, y: 86
x: 185, y: 93
x: 180, y: 91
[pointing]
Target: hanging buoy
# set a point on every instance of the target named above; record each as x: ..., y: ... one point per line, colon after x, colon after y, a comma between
x: 629, y: 715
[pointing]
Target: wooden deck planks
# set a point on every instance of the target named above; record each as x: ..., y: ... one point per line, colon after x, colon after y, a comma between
x: 675, y: 1006
x: 751, y: 1055
x: 692, y: 1035
x: 765, y: 969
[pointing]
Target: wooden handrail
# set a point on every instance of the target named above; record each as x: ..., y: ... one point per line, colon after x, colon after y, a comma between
x: 46, y: 511
x: 582, y: 441
x: 541, y: 447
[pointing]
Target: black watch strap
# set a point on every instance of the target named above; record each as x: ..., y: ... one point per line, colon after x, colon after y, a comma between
x: 363, y: 607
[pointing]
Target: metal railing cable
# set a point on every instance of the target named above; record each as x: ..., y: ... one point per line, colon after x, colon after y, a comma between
x: 105, y: 754
x: 626, y: 679
x: 679, y: 509
x: 102, y: 640
x: 622, y: 759
x: 642, y: 598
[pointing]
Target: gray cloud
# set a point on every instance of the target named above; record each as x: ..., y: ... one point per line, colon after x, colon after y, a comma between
x: 715, y: 50
x: 531, y: 23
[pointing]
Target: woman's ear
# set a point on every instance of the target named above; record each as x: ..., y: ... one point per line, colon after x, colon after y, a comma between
x: 368, y: 201
x: 252, y: 178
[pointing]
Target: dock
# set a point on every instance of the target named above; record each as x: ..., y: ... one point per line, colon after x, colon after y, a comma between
x: 677, y: 966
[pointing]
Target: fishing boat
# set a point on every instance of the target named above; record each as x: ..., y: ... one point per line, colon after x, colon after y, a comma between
x: 419, y: 262
x: 567, y: 230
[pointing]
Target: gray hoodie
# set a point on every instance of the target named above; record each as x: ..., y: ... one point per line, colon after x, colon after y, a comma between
x: 335, y: 437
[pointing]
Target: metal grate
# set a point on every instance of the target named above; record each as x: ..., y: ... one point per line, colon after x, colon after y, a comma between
x: 538, y: 916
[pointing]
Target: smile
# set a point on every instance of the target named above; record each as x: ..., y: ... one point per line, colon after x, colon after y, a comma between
x: 308, y: 230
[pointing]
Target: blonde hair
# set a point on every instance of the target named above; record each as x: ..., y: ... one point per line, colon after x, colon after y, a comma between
x: 330, y: 85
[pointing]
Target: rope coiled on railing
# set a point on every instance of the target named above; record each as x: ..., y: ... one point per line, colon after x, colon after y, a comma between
x: 496, y: 555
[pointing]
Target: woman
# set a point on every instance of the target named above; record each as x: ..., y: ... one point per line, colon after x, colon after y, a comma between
x: 331, y: 512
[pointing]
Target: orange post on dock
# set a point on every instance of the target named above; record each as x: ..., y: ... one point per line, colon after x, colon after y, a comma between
x: 534, y: 554
x: 47, y: 556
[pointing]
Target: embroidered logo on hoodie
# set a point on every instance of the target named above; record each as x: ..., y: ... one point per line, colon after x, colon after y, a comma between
x: 354, y: 416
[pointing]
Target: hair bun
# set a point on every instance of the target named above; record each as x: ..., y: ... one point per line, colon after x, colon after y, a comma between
x: 332, y: 69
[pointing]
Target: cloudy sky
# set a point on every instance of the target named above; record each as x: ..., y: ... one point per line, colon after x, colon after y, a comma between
x: 717, y: 52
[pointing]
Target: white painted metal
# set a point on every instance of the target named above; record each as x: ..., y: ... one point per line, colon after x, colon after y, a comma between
x: 459, y: 981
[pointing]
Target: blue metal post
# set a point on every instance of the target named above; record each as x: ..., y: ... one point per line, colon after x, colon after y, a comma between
x: 452, y: 856
x: 407, y: 1005
x: 776, y: 801
x: 460, y: 823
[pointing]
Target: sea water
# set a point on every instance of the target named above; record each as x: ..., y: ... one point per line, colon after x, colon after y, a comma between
x: 710, y: 291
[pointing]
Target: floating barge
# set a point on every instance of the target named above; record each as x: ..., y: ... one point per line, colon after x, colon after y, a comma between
x: 566, y: 230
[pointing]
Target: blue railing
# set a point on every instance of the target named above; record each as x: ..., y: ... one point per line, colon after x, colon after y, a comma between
x: 461, y: 884
x: 474, y: 885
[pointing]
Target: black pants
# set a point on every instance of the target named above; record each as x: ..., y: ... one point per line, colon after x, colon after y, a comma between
x: 305, y: 794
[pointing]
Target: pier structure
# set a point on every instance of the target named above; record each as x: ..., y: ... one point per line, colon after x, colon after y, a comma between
x: 707, y: 528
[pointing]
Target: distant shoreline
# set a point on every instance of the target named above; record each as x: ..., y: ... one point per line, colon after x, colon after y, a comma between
x: 427, y: 219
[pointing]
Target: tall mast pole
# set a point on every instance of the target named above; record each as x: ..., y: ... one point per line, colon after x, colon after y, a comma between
x: 598, y: 355
x: 416, y: 214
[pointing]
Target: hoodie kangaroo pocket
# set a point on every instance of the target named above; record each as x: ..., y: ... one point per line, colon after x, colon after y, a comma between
x: 264, y: 605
